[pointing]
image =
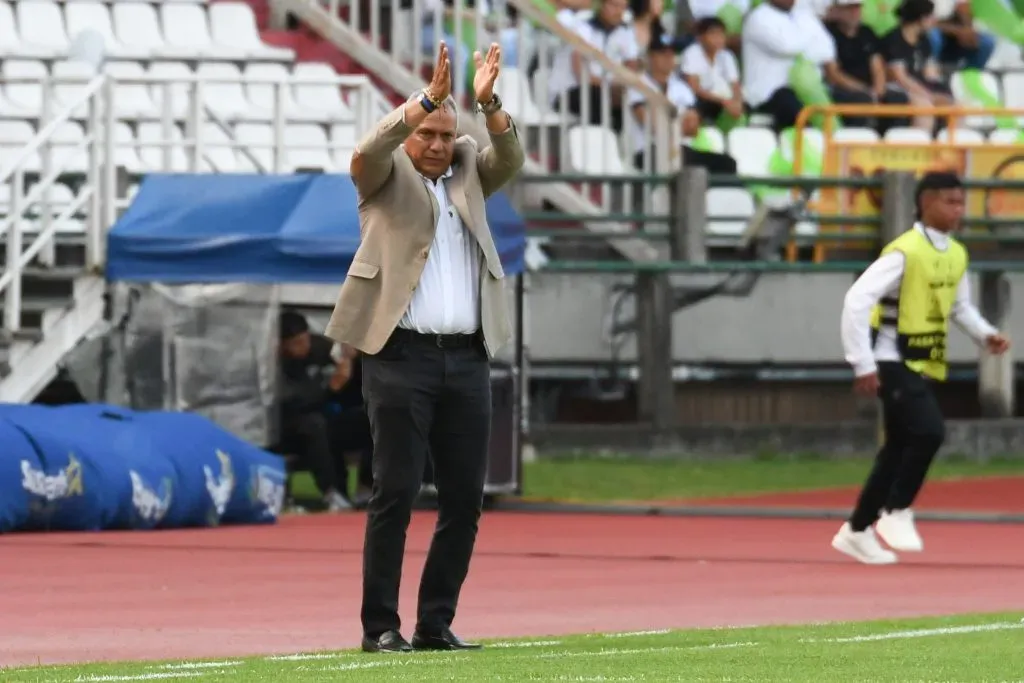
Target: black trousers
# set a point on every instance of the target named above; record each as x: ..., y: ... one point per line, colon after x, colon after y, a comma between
x: 307, y: 436
x: 914, y: 431
x: 892, y: 96
x: 424, y: 393
x: 783, y: 106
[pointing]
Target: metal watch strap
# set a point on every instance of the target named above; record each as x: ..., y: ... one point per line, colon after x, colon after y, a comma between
x: 490, y: 107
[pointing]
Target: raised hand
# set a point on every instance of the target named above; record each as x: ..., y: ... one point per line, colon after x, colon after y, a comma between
x: 487, y: 70
x: 440, y: 86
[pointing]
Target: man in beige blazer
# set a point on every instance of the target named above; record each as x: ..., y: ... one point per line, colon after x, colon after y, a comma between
x: 424, y: 301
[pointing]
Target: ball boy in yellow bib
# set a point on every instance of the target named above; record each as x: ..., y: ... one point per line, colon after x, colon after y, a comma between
x: 895, y: 323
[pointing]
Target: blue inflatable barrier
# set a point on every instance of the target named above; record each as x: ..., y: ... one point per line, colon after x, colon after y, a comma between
x: 18, y: 465
x: 93, y: 467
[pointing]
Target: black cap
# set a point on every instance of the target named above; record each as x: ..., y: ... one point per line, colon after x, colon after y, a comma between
x: 661, y: 42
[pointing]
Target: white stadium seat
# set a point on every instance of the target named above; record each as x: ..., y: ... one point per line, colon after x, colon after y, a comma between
x: 961, y: 135
x: 41, y: 26
x: 1013, y: 91
x: 1004, y: 136
x: 218, y: 151
x: 69, y: 154
x: 256, y: 140
x: 960, y: 93
x: 728, y: 202
x: 187, y: 33
x: 23, y: 87
x: 343, y: 144
x: 222, y: 89
x: 71, y: 80
x: 317, y: 92
x: 752, y: 147
x: 855, y: 135
x: 173, y: 77
x: 84, y: 16
x: 263, y: 95
x: 233, y: 26
x: 137, y: 29
x: 901, y: 134
x: 125, y: 152
x: 517, y: 96
x: 132, y: 100
x: 153, y: 141
x: 306, y: 148
x: 594, y: 149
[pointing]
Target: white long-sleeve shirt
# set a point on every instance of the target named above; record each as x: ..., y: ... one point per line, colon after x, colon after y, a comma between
x: 882, y: 279
x: 447, y: 299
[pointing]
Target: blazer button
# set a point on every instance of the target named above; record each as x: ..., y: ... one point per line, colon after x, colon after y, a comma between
x: 424, y: 253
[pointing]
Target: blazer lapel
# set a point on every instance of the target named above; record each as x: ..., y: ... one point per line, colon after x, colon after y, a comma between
x: 457, y: 195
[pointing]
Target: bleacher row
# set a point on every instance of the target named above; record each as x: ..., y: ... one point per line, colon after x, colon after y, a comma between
x: 133, y: 30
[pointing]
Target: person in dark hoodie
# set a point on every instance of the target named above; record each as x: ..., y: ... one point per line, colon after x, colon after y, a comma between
x: 321, y: 408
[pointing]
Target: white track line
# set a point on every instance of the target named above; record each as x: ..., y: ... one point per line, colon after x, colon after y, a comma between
x: 921, y: 633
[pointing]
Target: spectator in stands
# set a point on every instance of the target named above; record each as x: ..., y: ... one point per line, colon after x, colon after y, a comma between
x: 712, y: 73
x: 349, y: 427
x: 730, y: 12
x: 646, y: 21
x: 774, y: 37
x: 661, y: 75
x: 955, y: 41
x: 909, y: 61
x: 608, y: 32
x: 310, y: 371
x: 857, y: 76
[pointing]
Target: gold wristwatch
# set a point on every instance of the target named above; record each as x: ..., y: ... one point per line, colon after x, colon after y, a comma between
x: 488, y: 108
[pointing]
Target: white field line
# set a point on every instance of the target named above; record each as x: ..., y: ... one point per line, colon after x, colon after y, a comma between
x: 921, y: 633
x: 200, y: 665
x: 526, y: 643
x: 99, y: 678
x: 629, y: 634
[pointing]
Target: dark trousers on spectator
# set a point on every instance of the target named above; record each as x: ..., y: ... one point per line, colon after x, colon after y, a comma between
x: 708, y: 110
x: 914, y: 431
x: 783, y: 106
x: 574, y: 103
x: 307, y: 437
x: 884, y: 123
x: 714, y: 162
x: 350, y: 432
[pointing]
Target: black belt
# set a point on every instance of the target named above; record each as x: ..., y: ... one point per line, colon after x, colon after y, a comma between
x: 441, y: 341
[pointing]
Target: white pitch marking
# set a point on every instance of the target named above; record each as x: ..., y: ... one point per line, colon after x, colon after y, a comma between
x: 299, y: 657
x: 200, y: 665
x: 920, y: 633
x: 526, y: 643
x: 629, y: 634
x: 139, y: 677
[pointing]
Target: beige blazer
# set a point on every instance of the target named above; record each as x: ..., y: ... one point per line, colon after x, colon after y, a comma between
x: 397, y: 219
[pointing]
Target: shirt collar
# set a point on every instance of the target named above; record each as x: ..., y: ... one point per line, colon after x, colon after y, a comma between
x: 444, y: 176
x: 939, y: 239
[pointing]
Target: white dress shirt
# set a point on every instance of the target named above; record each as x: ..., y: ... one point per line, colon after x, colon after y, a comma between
x: 772, y: 40
x: 447, y: 299
x: 618, y: 43
x: 676, y: 91
x: 882, y: 279
x: 715, y: 75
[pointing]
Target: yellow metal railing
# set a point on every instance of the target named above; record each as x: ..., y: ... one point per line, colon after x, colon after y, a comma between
x: 949, y: 152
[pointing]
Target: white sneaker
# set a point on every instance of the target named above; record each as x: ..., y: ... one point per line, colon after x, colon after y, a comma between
x: 862, y: 546
x: 336, y: 502
x: 897, y: 529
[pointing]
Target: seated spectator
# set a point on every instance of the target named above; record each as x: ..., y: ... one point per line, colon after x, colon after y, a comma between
x: 910, y: 64
x: 711, y: 71
x: 350, y: 426
x: 661, y: 75
x: 310, y: 372
x: 954, y: 40
x: 646, y: 21
x: 775, y: 37
x: 730, y: 12
x: 607, y: 31
x: 857, y: 76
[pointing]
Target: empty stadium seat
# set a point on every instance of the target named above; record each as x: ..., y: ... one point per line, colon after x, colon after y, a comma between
x: 306, y: 148
x: 263, y: 96
x: 233, y: 26
x: 137, y: 29
x: 715, y: 139
x: 961, y: 135
x: 593, y: 149
x: 1013, y: 89
x: 907, y: 135
x: 1005, y: 136
x: 41, y: 28
x: 343, y: 145
x: 317, y: 93
x: 132, y: 100
x: 256, y: 140
x: 125, y: 153
x: 86, y: 15
x: 855, y: 135
x: 518, y: 100
x: 225, y: 97
x: 752, y: 148
x: 71, y: 80
x: 728, y: 203
x: 173, y: 77
x: 218, y: 151
x: 152, y: 148
x: 23, y: 87
x: 187, y: 34
x: 69, y: 155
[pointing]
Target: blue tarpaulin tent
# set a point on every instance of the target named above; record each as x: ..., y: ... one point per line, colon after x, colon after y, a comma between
x: 258, y: 228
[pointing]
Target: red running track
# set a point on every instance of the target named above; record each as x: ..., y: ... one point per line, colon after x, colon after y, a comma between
x: 295, y: 586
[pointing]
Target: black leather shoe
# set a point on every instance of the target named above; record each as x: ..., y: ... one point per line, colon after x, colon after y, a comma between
x: 442, y: 640
x: 389, y: 641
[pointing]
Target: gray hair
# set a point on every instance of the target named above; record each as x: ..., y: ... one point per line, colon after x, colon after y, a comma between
x: 449, y: 103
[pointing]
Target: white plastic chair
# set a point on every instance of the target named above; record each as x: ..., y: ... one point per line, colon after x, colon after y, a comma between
x: 752, y: 148
x: 174, y: 76
x: 131, y: 99
x: 217, y: 150
x: 151, y: 137
x: 225, y: 95
x: 1013, y: 89
x: 258, y: 140
x: 960, y: 94
x: 138, y: 30
x: 729, y: 203
x: 41, y: 26
x: 594, y: 149
x: 517, y: 98
x: 263, y: 95
x: 306, y: 147
x: 233, y: 27
x: 23, y: 98
x: 317, y: 92
x: 125, y: 152
x: 904, y: 134
x: 94, y: 16
x: 343, y: 144
x: 187, y: 33
x: 962, y: 136
x: 70, y: 82
x: 855, y: 135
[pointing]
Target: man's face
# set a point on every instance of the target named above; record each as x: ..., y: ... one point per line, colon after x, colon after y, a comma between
x: 296, y: 347
x: 713, y: 40
x: 848, y: 15
x: 661, y: 63
x: 612, y: 11
x: 943, y: 209
x: 432, y: 145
